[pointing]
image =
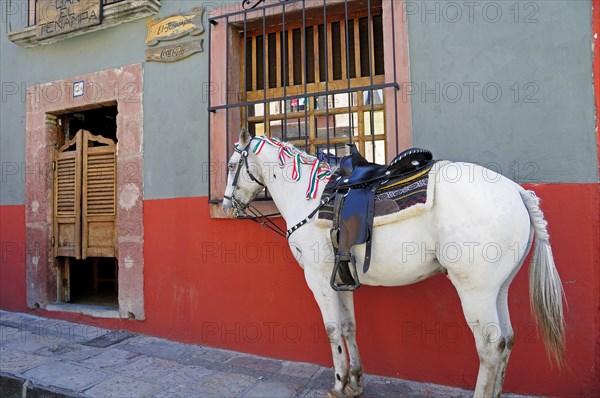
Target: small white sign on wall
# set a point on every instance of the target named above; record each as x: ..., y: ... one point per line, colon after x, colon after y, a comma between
x: 78, y: 88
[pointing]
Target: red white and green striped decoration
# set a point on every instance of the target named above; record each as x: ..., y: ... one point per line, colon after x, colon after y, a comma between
x: 284, y: 153
x: 258, y: 147
x: 319, y: 171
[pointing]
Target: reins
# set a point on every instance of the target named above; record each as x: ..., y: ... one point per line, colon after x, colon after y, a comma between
x: 256, y: 215
x: 263, y: 219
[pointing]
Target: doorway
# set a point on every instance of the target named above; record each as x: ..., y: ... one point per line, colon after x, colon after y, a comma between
x: 93, y: 281
x: 98, y: 121
x: 86, y: 238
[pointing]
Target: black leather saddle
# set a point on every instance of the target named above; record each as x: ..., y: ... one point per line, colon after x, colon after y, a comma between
x: 356, y: 170
x: 355, y: 185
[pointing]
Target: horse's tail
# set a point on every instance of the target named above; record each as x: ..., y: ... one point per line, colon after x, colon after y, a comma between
x: 545, y: 288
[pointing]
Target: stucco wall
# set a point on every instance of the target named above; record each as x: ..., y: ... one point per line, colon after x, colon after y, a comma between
x: 192, y: 259
x: 175, y: 147
x: 541, y: 131
x: 507, y: 85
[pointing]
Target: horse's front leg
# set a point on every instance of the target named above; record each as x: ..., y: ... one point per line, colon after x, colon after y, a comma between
x: 355, y: 381
x: 330, y: 306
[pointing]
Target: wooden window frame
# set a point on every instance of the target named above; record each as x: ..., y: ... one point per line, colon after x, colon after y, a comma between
x: 224, y: 85
x: 360, y: 108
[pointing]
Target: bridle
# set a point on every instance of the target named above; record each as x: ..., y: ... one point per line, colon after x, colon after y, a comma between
x: 240, y: 207
x: 256, y: 215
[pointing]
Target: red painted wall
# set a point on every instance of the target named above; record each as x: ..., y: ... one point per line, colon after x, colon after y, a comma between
x: 596, y: 66
x: 234, y: 284
x: 12, y: 258
x: 228, y: 284
x: 596, y: 74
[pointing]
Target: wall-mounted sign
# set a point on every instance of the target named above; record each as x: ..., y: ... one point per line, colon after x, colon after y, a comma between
x: 174, y: 52
x: 78, y: 88
x: 175, y: 26
x: 57, y: 17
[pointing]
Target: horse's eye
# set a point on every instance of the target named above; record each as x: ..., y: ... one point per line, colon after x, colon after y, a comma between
x: 231, y: 166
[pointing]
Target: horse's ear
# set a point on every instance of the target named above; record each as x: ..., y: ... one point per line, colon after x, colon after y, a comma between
x: 244, y: 138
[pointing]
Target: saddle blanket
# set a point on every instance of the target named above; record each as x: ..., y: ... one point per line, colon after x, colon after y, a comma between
x: 396, y: 200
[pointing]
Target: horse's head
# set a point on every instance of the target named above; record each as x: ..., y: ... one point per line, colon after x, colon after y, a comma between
x: 243, y: 179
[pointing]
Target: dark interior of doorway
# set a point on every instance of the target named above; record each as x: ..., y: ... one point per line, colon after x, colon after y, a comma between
x: 98, y: 121
x: 92, y: 281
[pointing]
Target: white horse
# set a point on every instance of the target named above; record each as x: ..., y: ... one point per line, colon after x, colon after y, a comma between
x: 478, y: 231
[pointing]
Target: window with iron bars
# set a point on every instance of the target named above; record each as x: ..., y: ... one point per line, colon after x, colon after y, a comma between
x: 316, y: 73
x: 339, y: 54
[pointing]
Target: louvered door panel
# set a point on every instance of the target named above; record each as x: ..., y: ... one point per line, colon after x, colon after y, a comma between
x: 99, y: 197
x: 67, y: 199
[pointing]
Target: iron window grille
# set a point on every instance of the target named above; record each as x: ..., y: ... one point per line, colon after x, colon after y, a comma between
x: 312, y: 76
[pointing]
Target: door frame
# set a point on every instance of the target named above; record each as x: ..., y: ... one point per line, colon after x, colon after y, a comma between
x: 45, y: 102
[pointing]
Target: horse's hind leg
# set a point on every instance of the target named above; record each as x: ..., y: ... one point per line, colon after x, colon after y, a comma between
x: 507, y: 333
x: 481, y: 314
x: 504, y: 317
x: 355, y: 379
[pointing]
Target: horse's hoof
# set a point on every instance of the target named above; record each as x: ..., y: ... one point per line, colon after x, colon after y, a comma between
x: 351, y: 391
x: 334, y: 394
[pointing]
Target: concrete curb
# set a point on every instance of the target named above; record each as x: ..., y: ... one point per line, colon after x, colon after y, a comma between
x: 16, y: 387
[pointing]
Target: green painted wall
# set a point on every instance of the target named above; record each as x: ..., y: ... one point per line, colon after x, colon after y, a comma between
x: 175, y: 117
x: 506, y: 84
x: 540, y: 131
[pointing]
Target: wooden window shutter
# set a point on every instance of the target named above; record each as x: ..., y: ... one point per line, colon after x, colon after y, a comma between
x: 99, y: 234
x: 67, y: 199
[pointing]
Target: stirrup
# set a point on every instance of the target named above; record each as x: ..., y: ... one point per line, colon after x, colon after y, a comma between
x: 343, y: 287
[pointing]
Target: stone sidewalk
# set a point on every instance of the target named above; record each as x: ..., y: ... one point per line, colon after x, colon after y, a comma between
x: 42, y: 357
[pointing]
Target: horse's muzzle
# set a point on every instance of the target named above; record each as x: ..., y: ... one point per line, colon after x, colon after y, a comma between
x: 228, y: 208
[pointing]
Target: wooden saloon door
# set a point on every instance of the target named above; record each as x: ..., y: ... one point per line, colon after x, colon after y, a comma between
x: 67, y: 199
x: 85, y: 182
x: 99, y: 227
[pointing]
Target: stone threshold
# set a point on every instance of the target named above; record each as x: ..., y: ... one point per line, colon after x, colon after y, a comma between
x: 91, y: 310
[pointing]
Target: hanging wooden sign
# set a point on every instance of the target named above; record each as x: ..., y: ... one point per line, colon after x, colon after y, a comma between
x: 174, y: 52
x: 57, y: 17
x: 175, y: 26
